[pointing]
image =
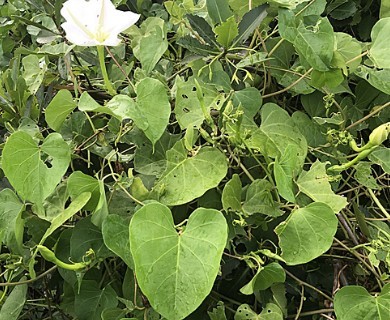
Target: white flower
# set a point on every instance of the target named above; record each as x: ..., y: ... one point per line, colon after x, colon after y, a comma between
x: 95, y: 22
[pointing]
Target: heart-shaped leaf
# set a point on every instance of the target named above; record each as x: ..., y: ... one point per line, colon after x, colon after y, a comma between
x: 187, y: 178
x: 355, y: 303
x: 32, y: 178
x: 307, y: 233
x: 176, y: 271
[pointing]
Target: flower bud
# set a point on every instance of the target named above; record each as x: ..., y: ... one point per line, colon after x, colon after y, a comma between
x: 379, y: 134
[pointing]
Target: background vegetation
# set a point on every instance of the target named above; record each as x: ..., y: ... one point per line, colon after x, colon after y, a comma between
x: 257, y: 128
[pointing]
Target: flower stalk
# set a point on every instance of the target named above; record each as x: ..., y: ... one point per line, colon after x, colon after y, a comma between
x: 107, y: 83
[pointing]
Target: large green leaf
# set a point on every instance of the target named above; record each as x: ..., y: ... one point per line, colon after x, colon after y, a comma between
x: 380, y: 47
x: 307, y: 233
x: 115, y: 231
x: 150, y: 42
x: 315, y: 184
x: 153, y: 109
x: 11, y: 223
x: 378, y: 78
x: 14, y: 303
x: 32, y: 178
x: 277, y: 133
x: 355, y: 303
x: 90, y: 302
x: 187, y: 178
x: 314, y: 43
x: 176, y: 271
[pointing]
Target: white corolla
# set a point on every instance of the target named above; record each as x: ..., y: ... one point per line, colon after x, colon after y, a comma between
x: 95, y: 22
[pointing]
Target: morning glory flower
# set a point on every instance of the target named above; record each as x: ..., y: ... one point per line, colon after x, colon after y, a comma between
x: 95, y: 22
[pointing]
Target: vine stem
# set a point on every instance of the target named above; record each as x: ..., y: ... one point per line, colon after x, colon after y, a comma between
x: 378, y: 203
x: 12, y: 284
x: 301, y: 282
x: 107, y: 82
x: 290, y: 86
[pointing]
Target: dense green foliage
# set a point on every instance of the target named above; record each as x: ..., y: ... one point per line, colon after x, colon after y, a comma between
x: 229, y: 160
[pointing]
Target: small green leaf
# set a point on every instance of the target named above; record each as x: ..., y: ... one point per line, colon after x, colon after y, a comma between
x: 347, y: 49
x: 226, y: 32
x: 315, y: 184
x: 259, y: 199
x: 231, y: 194
x: 86, y: 236
x: 265, y: 278
x: 380, y: 47
x: 79, y: 182
x: 284, y: 173
x: 381, y: 156
x: 186, y: 179
x: 363, y: 175
x: 244, y: 312
x: 316, y: 222
x: 34, y: 72
x: 253, y: 59
x: 385, y: 9
x: 33, y: 178
x: 75, y: 206
x: 355, y: 303
x: 121, y: 106
x: 151, y: 160
x: 278, y: 132
x: 218, y: 313
x: 59, y: 108
x: 201, y: 26
x: 289, y: 4
x: 271, y: 312
x: 329, y: 79
x: 250, y: 22
x: 218, y: 10
x: 11, y: 223
x: 176, y: 271
x: 14, y: 303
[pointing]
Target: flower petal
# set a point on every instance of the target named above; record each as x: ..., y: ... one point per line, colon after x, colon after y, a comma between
x: 95, y: 22
x: 77, y: 36
x: 116, y: 21
x: 82, y: 14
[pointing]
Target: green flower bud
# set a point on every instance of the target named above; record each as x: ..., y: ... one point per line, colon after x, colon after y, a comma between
x: 379, y: 134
